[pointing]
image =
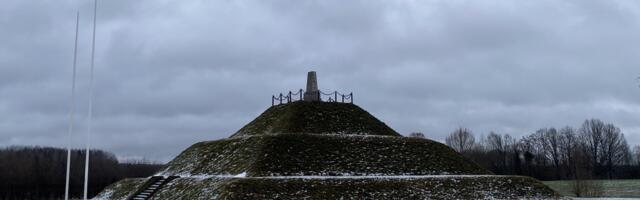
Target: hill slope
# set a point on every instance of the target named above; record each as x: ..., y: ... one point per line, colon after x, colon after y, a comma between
x: 316, y: 117
x: 320, y: 154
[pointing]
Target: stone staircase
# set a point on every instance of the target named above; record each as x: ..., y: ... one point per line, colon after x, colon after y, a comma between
x: 150, y: 187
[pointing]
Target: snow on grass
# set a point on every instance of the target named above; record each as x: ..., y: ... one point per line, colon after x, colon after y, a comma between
x: 121, y: 190
x: 610, y: 188
x: 378, y: 177
x: 350, y: 187
x: 241, y: 175
x: 314, y: 154
x: 368, y: 187
x: 105, y: 195
x: 244, y: 175
x: 602, y: 198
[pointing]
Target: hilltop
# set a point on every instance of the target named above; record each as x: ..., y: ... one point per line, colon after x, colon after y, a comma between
x: 316, y: 117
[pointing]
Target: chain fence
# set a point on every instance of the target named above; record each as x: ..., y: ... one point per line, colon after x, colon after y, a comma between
x: 334, y: 96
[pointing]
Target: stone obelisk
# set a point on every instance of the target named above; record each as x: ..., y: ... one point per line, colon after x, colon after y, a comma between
x: 312, y: 93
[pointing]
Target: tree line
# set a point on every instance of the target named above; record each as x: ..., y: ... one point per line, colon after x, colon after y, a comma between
x: 595, y: 150
x: 39, y: 172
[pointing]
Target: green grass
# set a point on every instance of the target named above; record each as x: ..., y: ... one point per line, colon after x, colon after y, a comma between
x: 227, y: 156
x: 316, y: 117
x: 320, y: 154
x: 611, y: 188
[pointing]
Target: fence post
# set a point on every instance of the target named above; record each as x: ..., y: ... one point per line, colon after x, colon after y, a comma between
x: 319, y: 96
x: 335, y: 96
x: 280, y: 98
x: 300, y: 91
x: 289, y: 97
x: 342, y: 98
x: 351, y: 95
x: 273, y: 100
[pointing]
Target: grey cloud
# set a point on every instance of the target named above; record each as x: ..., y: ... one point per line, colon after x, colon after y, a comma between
x: 174, y: 73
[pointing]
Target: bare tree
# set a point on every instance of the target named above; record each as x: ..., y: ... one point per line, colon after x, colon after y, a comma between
x: 636, y: 154
x: 36, y: 172
x: 495, y: 142
x: 568, y: 142
x: 550, y: 140
x: 526, y: 147
x: 595, y: 150
x: 591, y: 134
x: 461, y: 140
x: 535, y: 145
x: 614, y: 148
x: 583, y: 184
x: 501, y: 146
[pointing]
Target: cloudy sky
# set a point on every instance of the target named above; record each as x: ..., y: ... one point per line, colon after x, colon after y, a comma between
x: 172, y: 73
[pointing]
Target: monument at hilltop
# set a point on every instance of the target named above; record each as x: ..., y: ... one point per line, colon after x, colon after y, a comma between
x: 312, y: 93
x: 307, y: 148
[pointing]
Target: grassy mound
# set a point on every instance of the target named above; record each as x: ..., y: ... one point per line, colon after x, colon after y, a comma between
x: 482, y: 187
x: 349, y: 153
x: 320, y: 154
x: 316, y: 117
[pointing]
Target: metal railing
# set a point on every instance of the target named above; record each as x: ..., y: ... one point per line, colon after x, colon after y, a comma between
x: 334, y: 96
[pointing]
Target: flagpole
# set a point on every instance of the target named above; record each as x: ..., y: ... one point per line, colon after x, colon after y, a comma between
x: 90, y: 114
x: 71, y: 109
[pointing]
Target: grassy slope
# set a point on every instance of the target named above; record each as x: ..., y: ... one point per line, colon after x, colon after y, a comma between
x: 316, y: 117
x: 228, y: 156
x: 611, y: 188
x: 317, y: 154
x: 121, y: 190
x: 416, y: 188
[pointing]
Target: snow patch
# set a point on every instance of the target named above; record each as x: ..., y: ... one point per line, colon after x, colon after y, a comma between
x: 104, y: 195
x: 244, y: 175
x: 241, y: 175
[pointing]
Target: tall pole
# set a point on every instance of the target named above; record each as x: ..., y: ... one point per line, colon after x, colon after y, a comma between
x: 71, y: 109
x: 90, y: 115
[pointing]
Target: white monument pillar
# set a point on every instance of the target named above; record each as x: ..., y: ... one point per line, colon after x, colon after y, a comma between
x: 312, y: 93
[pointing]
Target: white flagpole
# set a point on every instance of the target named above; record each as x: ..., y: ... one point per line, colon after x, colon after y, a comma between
x: 71, y: 109
x: 90, y: 115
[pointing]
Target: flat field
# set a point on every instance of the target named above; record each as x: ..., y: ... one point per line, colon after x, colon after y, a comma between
x: 611, y: 188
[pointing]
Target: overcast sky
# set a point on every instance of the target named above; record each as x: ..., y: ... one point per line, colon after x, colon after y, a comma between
x: 173, y: 73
